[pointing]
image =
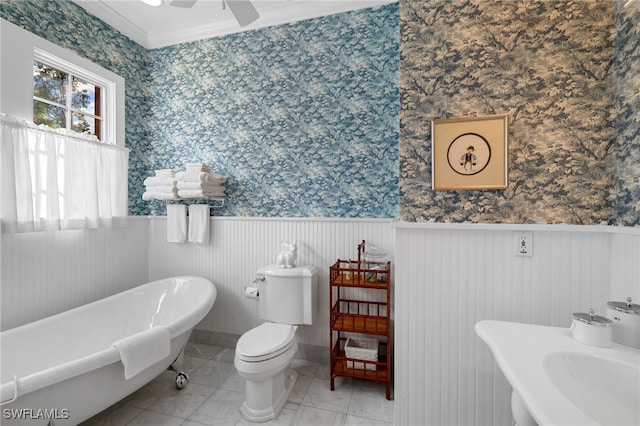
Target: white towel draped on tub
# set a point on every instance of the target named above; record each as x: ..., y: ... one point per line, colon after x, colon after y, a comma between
x: 199, y: 223
x: 176, y: 223
x: 142, y: 350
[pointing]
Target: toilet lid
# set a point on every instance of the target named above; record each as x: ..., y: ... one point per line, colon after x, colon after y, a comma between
x: 265, y: 339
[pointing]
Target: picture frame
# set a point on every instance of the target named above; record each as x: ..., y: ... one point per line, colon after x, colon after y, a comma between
x: 469, y: 153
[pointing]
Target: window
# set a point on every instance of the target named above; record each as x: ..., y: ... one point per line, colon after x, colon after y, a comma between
x: 62, y: 100
x: 69, y: 97
x: 52, y: 179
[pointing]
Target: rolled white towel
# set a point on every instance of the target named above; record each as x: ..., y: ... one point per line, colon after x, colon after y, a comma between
x: 160, y: 180
x: 197, y: 176
x: 159, y: 196
x: 216, y: 185
x: 161, y: 188
x: 200, y: 193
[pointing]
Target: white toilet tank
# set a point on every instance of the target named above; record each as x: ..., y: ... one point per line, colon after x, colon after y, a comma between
x: 288, y: 295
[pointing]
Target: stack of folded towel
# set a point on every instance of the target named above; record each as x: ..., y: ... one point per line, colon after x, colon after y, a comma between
x: 162, y: 186
x: 197, y: 181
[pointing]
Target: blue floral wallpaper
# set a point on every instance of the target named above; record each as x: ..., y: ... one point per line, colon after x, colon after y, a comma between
x: 549, y: 65
x: 627, y: 105
x: 302, y: 118
x: 305, y: 118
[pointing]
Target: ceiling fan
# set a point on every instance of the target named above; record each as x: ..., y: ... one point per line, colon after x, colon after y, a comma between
x: 242, y: 10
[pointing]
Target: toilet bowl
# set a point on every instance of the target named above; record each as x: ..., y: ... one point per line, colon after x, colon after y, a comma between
x: 287, y: 298
x: 263, y: 357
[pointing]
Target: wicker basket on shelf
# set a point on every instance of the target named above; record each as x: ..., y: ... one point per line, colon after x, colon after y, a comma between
x: 364, y: 349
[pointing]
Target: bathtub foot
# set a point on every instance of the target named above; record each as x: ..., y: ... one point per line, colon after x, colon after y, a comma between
x: 181, y: 380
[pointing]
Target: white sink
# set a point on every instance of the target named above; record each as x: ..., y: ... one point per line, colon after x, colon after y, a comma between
x: 564, y: 382
x: 607, y: 390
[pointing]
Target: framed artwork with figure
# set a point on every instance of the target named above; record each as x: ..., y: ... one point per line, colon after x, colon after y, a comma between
x: 469, y: 152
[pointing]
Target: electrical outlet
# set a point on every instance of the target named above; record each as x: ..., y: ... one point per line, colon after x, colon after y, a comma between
x: 523, y: 242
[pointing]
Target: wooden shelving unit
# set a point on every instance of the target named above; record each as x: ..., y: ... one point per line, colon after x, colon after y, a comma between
x: 360, y: 301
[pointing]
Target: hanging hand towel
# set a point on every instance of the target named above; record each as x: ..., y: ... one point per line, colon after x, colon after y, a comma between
x: 199, y: 223
x: 176, y: 223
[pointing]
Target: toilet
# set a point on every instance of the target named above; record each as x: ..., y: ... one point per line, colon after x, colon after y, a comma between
x: 287, y: 298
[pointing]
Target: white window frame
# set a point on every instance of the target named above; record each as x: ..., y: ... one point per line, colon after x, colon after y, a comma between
x: 20, y: 48
x: 107, y: 97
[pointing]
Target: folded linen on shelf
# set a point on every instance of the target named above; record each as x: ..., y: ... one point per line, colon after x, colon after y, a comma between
x: 201, y: 193
x: 160, y: 180
x: 176, y: 223
x: 161, y: 188
x: 199, y: 223
x: 198, y: 176
x: 159, y: 196
x: 200, y: 185
x: 201, y: 167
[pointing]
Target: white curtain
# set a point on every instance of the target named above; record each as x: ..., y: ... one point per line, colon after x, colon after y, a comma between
x: 58, y: 179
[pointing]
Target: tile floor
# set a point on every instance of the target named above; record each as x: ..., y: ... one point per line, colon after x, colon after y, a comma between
x: 215, y: 393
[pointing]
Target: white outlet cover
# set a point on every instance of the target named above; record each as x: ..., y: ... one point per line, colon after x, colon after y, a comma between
x: 523, y: 244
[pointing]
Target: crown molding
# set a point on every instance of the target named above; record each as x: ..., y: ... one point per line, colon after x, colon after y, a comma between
x: 288, y: 12
x: 160, y: 39
x: 102, y: 11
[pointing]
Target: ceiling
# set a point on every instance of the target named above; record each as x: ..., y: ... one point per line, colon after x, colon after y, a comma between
x: 165, y: 25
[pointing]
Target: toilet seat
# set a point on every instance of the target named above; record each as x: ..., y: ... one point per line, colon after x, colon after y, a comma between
x: 265, y: 342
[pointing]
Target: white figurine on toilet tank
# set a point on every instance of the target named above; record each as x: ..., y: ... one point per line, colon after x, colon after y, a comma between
x: 289, y: 254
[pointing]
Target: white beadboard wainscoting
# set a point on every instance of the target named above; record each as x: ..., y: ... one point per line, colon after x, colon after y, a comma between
x: 239, y: 246
x: 625, y: 264
x: 448, y: 277
x: 44, y: 273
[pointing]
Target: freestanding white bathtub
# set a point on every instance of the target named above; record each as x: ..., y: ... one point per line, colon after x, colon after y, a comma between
x: 66, y: 368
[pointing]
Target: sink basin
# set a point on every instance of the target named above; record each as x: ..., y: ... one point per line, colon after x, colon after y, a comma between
x: 605, y: 389
x: 560, y: 381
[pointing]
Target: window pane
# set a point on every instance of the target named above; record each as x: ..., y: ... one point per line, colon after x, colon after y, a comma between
x: 49, y: 83
x: 84, y: 124
x: 85, y: 97
x: 51, y: 115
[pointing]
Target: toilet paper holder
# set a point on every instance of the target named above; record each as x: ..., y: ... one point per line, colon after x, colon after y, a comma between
x: 252, y: 291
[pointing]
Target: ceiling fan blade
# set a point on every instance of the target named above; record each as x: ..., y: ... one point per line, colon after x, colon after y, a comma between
x: 243, y: 11
x: 183, y: 3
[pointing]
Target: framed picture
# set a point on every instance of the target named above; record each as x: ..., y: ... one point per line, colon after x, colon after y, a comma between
x: 469, y: 152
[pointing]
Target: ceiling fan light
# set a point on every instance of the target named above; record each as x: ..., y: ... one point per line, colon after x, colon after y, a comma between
x: 152, y: 2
